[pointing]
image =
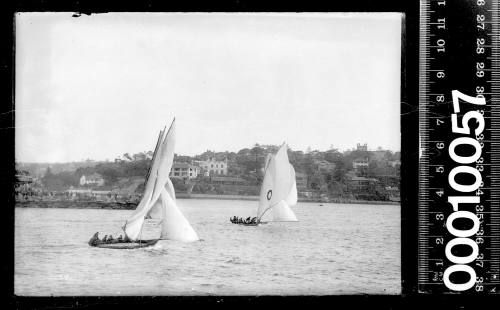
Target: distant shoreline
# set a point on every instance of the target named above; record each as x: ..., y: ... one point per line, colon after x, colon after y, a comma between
x: 256, y: 198
x: 92, y: 204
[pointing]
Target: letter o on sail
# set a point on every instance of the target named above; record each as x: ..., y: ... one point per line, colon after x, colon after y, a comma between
x: 279, y: 189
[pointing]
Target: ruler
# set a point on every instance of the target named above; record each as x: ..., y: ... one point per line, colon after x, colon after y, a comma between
x: 459, y: 159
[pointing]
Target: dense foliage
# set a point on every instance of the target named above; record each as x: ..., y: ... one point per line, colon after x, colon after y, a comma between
x: 324, y: 171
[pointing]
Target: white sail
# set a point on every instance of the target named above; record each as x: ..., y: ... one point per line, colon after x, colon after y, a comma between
x: 134, y: 223
x: 156, y: 210
x: 160, y: 169
x: 174, y: 225
x: 282, y: 175
x: 278, y: 189
x: 291, y: 199
x: 266, y: 189
x: 283, y: 213
x: 159, y: 197
x: 268, y: 160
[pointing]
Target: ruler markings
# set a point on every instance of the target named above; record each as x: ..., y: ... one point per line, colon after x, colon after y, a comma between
x: 430, y: 110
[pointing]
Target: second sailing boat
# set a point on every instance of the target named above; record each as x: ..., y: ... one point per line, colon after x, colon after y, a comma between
x: 278, y: 191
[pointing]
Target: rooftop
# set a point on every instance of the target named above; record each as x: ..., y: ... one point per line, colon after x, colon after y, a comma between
x: 182, y: 165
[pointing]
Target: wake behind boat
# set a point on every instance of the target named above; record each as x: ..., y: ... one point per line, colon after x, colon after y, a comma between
x: 277, y: 193
x: 158, y: 201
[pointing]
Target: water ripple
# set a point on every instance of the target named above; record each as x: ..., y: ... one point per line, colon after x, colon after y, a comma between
x: 333, y: 249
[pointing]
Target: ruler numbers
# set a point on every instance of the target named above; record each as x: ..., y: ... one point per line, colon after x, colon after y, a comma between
x: 459, y: 169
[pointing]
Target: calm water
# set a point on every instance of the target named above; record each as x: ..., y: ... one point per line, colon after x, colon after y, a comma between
x: 333, y: 249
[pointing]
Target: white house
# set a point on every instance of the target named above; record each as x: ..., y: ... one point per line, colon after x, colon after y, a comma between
x: 184, y: 170
x: 360, y: 163
x: 213, y: 167
x: 93, y: 179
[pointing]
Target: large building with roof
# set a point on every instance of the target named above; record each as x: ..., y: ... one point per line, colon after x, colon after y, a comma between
x: 184, y: 171
x: 213, y: 166
x: 360, y: 163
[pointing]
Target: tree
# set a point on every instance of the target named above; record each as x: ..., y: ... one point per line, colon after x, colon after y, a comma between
x: 109, y: 174
x: 333, y: 156
x: 373, y: 169
x: 127, y: 156
x: 307, y: 165
x: 243, y: 152
x: 316, y: 181
x: 48, y: 176
x: 257, y: 151
x: 340, y: 171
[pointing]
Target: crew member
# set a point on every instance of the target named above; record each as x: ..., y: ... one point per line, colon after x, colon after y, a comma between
x: 94, y: 240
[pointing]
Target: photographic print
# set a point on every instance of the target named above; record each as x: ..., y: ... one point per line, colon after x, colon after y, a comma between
x: 207, y: 154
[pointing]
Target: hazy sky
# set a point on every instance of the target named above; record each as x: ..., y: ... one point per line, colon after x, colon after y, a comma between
x: 102, y: 85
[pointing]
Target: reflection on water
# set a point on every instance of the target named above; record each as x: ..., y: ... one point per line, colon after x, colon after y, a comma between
x: 333, y: 249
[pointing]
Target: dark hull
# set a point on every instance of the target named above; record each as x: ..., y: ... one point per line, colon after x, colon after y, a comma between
x: 127, y: 245
x: 249, y: 224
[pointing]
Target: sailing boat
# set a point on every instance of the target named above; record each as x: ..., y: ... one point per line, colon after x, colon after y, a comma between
x: 158, y: 201
x: 278, y: 191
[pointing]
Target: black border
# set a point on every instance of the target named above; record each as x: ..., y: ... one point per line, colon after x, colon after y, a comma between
x: 409, y: 147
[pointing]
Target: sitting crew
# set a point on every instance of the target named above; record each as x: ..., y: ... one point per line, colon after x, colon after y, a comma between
x: 94, y: 240
x: 247, y: 220
x: 105, y: 239
x: 254, y: 220
x: 120, y: 239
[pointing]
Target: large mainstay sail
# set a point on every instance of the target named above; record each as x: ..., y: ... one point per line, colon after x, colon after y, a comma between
x: 279, y: 190
x: 158, y: 200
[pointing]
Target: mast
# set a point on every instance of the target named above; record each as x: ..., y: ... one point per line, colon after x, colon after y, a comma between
x: 158, y: 142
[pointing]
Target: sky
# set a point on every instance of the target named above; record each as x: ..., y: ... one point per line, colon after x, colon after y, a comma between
x: 98, y: 86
